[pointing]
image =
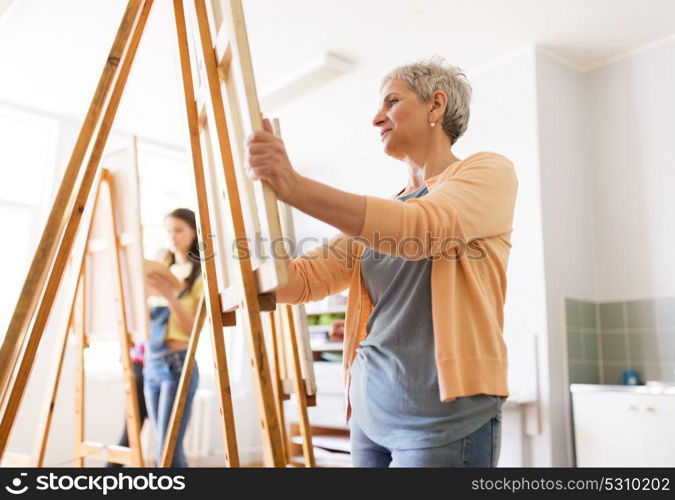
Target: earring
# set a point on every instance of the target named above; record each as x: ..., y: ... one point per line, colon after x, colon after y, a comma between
x: 433, y: 124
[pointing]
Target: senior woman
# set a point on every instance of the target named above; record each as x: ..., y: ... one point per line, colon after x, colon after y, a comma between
x: 424, y: 356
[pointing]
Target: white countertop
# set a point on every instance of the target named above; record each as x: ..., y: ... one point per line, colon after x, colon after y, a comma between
x: 660, y: 388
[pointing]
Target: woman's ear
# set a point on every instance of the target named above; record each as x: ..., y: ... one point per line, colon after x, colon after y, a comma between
x: 439, y: 101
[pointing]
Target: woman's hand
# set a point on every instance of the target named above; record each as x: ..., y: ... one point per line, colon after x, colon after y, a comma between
x: 267, y: 160
x: 161, y: 284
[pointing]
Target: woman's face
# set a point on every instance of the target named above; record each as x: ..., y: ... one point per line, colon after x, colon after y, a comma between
x: 403, y: 119
x: 181, y: 235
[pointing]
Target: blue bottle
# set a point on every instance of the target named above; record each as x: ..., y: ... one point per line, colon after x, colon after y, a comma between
x: 630, y: 377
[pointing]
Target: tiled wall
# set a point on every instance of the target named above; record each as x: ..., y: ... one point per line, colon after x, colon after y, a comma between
x: 606, y: 338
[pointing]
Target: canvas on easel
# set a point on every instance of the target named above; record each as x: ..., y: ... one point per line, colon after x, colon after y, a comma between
x: 299, y: 314
x: 105, y: 290
x: 122, y: 165
x: 242, y: 115
x: 294, y: 360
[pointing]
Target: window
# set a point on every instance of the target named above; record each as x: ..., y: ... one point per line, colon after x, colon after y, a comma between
x: 27, y: 163
x: 166, y: 182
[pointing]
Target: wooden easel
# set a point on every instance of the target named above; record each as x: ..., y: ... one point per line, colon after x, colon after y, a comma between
x: 209, y: 139
x: 75, y: 327
x: 284, y: 337
x: 280, y: 333
x: 286, y: 341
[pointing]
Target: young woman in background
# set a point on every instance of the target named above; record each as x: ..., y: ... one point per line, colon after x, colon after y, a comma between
x: 171, y: 320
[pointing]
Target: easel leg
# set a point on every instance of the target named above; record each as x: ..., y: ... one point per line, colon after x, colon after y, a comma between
x: 299, y: 385
x: 183, y: 387
x: 277, y: 385
x: 47, y: 412
x: 131, y: 395
x: 80, y: 344
x: 212, y: 298
x: 79, y: 329
x: 132, y: 406
x: 15, y: 389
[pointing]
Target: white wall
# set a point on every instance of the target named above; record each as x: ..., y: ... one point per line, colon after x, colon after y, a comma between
x: 633, y: 124
x: 564, y: 159
x: 606, y: 158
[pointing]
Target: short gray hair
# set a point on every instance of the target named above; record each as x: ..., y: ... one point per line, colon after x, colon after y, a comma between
x: 426, y: 77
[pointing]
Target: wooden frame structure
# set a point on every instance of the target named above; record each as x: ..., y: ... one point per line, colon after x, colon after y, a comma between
x: 216, y: 137
x: 293, y: 353
x: 131, y: 455
x: 101, y: 235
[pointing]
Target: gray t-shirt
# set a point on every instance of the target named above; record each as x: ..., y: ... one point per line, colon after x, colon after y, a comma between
x: 394, y: 391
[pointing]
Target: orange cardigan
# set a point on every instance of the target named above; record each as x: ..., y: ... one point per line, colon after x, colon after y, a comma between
x: 464, y: 224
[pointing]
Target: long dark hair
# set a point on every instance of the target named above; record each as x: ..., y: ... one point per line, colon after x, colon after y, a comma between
x: 188, y: 216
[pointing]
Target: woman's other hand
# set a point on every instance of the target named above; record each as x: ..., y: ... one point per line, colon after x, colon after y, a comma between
x: 266, y: 159
x: 161, y: 284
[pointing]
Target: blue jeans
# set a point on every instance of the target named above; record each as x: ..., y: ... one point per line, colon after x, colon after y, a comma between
x: 159, y: 320
x: 161, y: 375
x: 478, y: 449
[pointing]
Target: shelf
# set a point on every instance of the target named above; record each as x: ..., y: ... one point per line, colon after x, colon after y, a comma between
x: 331, y: 446
x: 319, y: 328
x: 326, y: 459
x: 326, y: 346
x: 331, y: 443
x: 316, y: 310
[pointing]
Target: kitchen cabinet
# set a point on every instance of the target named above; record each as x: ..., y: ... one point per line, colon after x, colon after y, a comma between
x: 658, y: 413
x: 623, y: 426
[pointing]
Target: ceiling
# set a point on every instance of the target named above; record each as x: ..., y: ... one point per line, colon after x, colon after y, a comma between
x: 51, y: 53
x: 470, y: 33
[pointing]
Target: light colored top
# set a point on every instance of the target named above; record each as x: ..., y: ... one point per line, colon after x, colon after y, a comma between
x: 189, y: 301
x: 394, y: 391
x: 472, y: 202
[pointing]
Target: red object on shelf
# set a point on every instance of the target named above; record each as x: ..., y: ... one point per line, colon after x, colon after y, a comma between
x: 337, y: 331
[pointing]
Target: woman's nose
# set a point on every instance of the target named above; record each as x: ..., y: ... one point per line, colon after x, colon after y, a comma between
x: 378, y: 119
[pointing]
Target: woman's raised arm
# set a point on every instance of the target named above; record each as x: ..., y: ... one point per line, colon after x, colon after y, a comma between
x: 320, y: 272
